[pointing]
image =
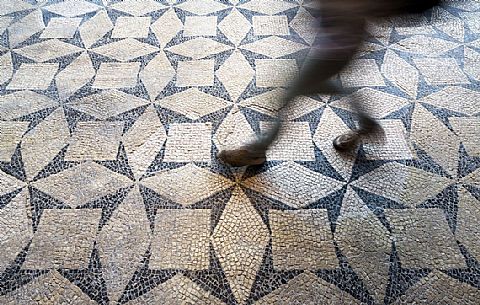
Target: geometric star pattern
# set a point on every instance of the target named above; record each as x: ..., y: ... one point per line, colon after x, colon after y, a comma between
x: 111, y: 116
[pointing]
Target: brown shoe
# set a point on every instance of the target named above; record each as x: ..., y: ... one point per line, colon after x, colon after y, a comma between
x: 243, y: 156
x: 347, y: 142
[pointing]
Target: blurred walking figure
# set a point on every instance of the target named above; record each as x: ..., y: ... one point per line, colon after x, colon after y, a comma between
x: 342, y: 30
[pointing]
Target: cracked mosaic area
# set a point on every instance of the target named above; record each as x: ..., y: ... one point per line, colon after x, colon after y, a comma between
x: 112, y: 112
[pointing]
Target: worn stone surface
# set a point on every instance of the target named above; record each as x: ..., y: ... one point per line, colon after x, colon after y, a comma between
x: 112, y: 114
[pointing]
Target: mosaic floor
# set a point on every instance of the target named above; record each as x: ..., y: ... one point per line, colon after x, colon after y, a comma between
x: 112, y: 113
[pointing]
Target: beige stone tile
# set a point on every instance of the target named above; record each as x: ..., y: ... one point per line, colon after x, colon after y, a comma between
x: 304, y: 25
x: 157, y: 74
x: 268, y: 103
x: 301, y: 106
x: 427, y: 129
x: 294, y: 143
x: 179, y: 290
x: 424, y: 240
x: 83, y: 183
x: 468, y: 129
x: 16, y: 229
x: 181, y: 240
x: 25, y: 28
x: 424, y: 45
x: 275, y: 72
x: 448, y: 23
x: 72, y: 8
x: 95, y: 141
x: 412, y: 25
x: 470, y: 64
x: 274, y: 47
x: 20, y: 103
x: 240, y: 239
x: 468, y: 216
x: 472, y: 178
x: 64, y: 239
x: 302, y: 231
x: 41, y: 144
x: 293, y: 184
x: 143, y: 141
x: 193, y: 103
x: 404, y: 184
x: 234, y: 131
x: 269, y: 7
x: 235, y: 26
x: 6, y: 67
x: 235, y: 74
x: 167, y: 27
x: 9, y: 183
x: 10, y: 135
x: 395, y: 146
x: 122, y: 243
x: 200, y: 26
x: 441, y: 71
x: 361, y: 73
x: 131, y: 27
x: 270, y: 25
x: 107, y: 104
x: 48, y: 50
x: 366, y: 244
x: 74, y: 76
x: 329, y: 128
x: 439, y: 288
x: 95, y: 28
x: 125, y: 50
x: 202, y: 7
x: 199, y: 48
x: 60, y: 27
x: 138, y: 8
x: 33, y: 76
x: 117, y: 75
x: 187, y: 185
x: 376, y: 103
x: 188, y: 142
x: 5, y: 21
x: 50, y: 288
x: 195, y: 73
x: 11, y: 6
x: 444, y: 97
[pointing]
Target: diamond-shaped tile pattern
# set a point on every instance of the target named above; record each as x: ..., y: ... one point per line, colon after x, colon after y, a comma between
x: 113, y: 113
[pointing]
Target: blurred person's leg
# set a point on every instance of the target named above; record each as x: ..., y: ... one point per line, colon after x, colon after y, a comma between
x: 339, y: 44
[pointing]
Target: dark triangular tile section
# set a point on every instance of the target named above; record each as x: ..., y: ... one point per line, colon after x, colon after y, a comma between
x: 363, y: 166
x: 254, y: 170
x: 153, y: 202
x: 213, y: 280
x: 313, y: 118
x: 475, y: 191
x: 466, y: 163
x: 74, y: 116
x: 215, y: 118
x: 144, y: 280
x: 377, y: 204
x: 262, y: 202
x: 36, y: 117
x: 442, y: 114
x: 108, y: 204
x: 14, y: 277
x: 401, y: 279
x: 346, y: 279
x: 426, y: 163
x: 347, y: 117
x: 268, y: 279
x: 15, y: 166
x: 55, y: 166
x: 254, y: 118
x: 333, y: 204
x: 216, y: 203
x: 404, y: 114
x: 89, y: 280
x: 321, y: 165
x: 447, y: 200
x: 157, y: 165
x: 130, y: 117
x: 6, y: 198
x: 470, y: 275
x: 40, y: 201
x: 120, y: 165
x: 168, y: 116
